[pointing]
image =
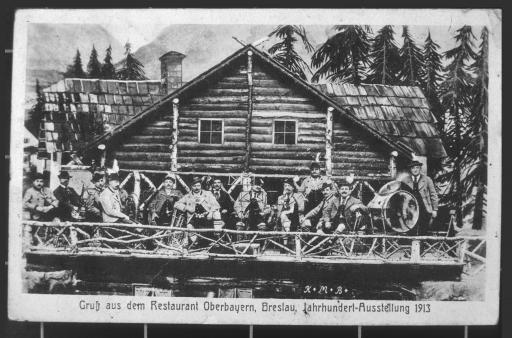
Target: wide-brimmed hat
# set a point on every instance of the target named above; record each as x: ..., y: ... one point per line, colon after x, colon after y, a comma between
x: 345, y: 182
x: 37, y: 176
x: 113, y: 177
x: 96, y: 177
x: 64, y: 174
x: 288, y: 181
x: 196, y: 180
x: 414, y: 164
x: 314, y: 165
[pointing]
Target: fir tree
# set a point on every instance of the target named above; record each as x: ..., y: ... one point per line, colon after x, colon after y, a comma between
x: 108, y: 71
x: 474, y: 154
x: 431, y: 79
x: 344, y: 56
x: 385, y: 58
x: 284, y: 51
x: 75, y: 69
x: 456, y: 100
x: 94, y: 66
x: 411, y: 60
x: 132, y: 69
x: 35, y: 115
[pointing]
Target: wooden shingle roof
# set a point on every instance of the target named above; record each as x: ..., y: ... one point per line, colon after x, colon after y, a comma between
x: 71, y: 105
x: 400, y: 112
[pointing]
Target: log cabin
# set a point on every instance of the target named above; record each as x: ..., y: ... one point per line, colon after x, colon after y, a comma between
x: 248, y: 113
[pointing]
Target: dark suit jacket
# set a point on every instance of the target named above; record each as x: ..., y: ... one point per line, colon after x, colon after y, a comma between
x: 224, y: 201
x: 427, y: 191
x: 67, y: 197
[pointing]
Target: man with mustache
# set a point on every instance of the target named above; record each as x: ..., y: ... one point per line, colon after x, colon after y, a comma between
x: 162, y: 205
x: 225, y: 201
x: 290, y: 207
x: 92, y: 203
x: 201, y: 207
x: 38, y: 202
x: 311, y: 187
x: 111, y: 204
x: 251, y: 208
x: 351, y: 209
x: 325, y: 215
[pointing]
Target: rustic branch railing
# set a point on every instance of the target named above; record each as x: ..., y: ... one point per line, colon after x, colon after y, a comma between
x: 118, y: 238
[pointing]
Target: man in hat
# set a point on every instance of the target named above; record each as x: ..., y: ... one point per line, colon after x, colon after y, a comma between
x: 69, y: 200
x: 201, y: 207
x: 93, y: 203
x: 325, y: 215
x: 225, y: 201
x: 251, y: 207
x: 425, y: 192
x: 161, y: 206
x: 111, y: 206
x: 351, y: 209
x: 39, y: 203
x: 290, y: 207
x: 311, y: 187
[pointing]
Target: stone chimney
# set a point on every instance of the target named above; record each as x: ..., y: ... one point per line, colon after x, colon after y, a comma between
x: 171, y: 71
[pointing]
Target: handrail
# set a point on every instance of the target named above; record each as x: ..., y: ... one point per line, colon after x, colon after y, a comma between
x: 245, y: 232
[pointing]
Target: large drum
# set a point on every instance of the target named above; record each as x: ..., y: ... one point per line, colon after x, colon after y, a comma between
x: 394, y: 209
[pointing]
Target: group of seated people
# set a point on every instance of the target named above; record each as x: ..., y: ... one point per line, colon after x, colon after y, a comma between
x: 317, y: 204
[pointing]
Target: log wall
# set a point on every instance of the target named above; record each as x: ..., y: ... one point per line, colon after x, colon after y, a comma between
x: 276, y: 100
x: 356, y: 152
x: 226, y: 98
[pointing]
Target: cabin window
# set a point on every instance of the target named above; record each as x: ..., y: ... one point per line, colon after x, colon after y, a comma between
x: 211, y: 131
x: 285, y: 132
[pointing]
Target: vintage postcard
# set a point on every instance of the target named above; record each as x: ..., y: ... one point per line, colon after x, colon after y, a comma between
x: 312, y: 167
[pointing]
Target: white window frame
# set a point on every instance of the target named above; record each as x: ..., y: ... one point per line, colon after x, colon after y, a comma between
x: 274, y: 131
x: 199, y: 130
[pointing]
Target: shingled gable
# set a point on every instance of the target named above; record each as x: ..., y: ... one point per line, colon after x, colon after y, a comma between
x: 72, y: 104
x: 402, y: 148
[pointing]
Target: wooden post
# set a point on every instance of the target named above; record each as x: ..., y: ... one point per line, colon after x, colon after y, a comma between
x: 392, y: 164
x: 415, y: 251
x: 328, y: 142
x: 103, y: 158
x: 174, y: 145
x: 249, y: 112
x: 298, y: 249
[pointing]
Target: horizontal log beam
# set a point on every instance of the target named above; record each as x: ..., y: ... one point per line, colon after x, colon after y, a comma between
x: 142, y: 156
x: 214, y: 106
x: 281, y: 99
x: 218, y: 100
x: 234, y: 160
x: 205, y: 153
x: 144, y: 147
x: 213, y: 114
x: 157, y: 165
x: 279, y: 170
x: 282, y: 162
x: 304, y: 155
x: 288, y: 115
x: 151, y: 139
x: 229, y: 92
x: 155, y: 131
x: 201, y: 146
x: 288, y: 147
x: 209, y: 167
x: 293, y: 107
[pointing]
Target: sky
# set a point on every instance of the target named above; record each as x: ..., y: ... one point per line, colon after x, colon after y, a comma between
x: 140, y: 33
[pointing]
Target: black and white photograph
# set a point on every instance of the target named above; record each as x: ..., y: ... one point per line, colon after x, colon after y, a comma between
x: 256, y: 166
